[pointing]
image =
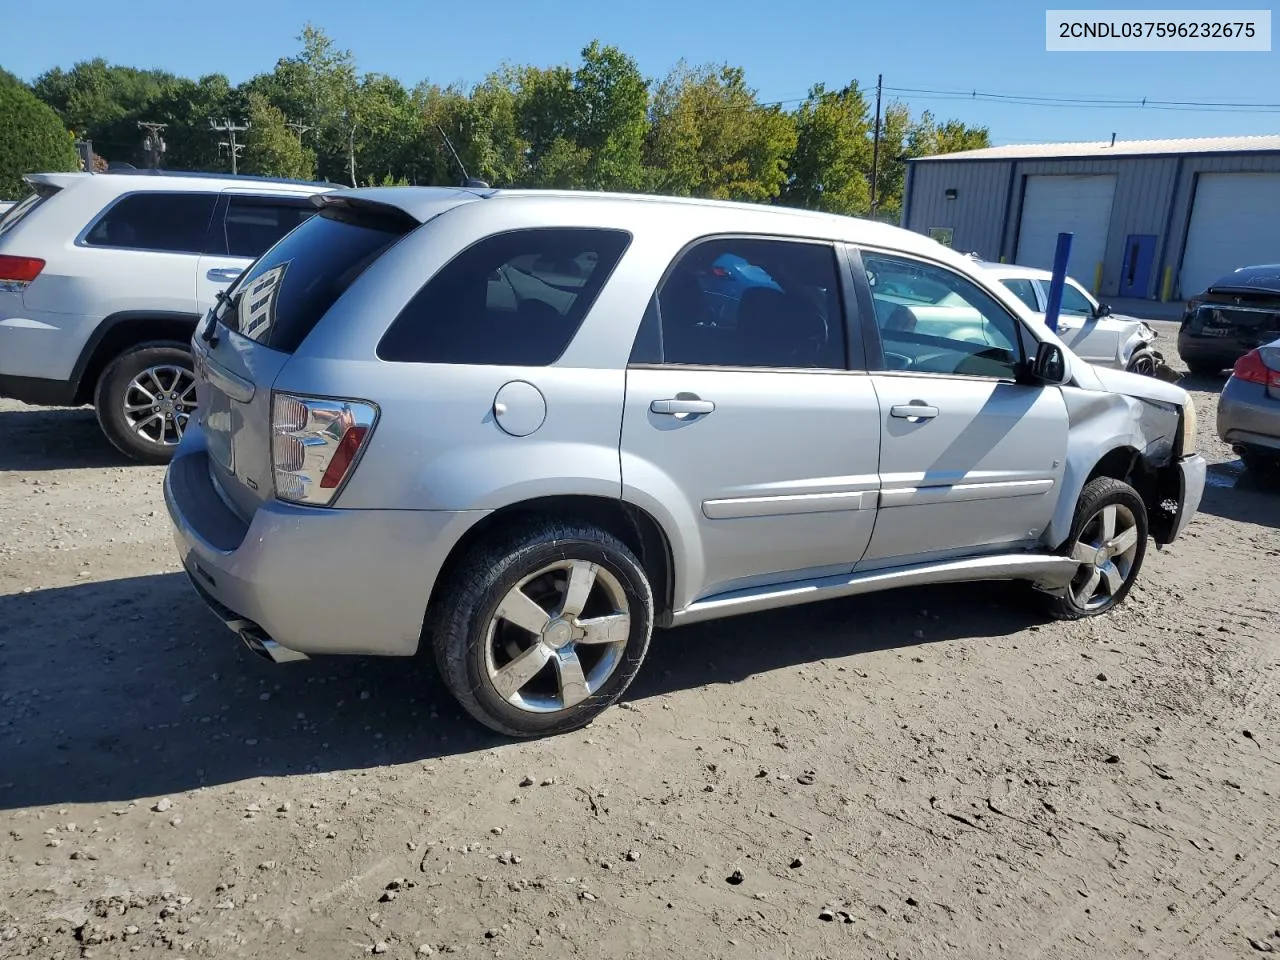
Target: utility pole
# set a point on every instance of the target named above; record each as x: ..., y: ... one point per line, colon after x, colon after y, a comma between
x: 230, y: 129
x: 298, y: 128
x: 153, y: 142
x: 875, y: 149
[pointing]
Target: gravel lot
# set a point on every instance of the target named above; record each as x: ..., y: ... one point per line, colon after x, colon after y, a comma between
x: 926, y: 773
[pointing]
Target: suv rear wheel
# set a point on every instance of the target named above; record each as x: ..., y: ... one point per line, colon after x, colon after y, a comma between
x: 1109, y: 541
x: 144, y: 399
x: 538, y: 634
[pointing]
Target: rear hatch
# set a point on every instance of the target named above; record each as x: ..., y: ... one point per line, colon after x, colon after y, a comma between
x: 248, y: 337
x: 1246, y: 313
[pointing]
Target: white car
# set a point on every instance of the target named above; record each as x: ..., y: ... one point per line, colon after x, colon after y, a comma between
x: 103, y: 278
x: 1088, y: 327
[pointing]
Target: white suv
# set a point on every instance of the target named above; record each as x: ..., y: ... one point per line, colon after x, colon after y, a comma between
x: 103, y: 278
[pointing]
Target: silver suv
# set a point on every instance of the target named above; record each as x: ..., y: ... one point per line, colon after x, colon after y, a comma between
x: 520, y: 429
x: 103, y: 278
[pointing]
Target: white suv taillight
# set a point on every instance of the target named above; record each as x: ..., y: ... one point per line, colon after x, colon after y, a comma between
x: 315, y: 443
x: 16, y: 273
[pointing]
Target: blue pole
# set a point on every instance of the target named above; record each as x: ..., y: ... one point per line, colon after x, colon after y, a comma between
x: 1060, y: 257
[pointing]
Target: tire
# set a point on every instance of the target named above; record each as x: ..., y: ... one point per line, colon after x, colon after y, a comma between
x: 474, y: 643
x: 153, y: 367
x: 1143, y: 363
x: 1097, y: 589
x: 1263, y: 464
x: 1205, y: 368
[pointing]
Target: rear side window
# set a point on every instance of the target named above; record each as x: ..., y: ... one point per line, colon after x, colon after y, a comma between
x: 254, y: 224
x: 165, y: 222
x: 281, y: 298
x: 514, y: 299
x: 1024, y: 290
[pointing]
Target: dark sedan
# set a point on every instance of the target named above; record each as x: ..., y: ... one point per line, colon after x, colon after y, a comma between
x: 1236, y: 314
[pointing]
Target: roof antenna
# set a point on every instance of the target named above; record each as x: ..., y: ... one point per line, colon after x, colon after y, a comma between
x: 1113, y: 139
x: 466, y: 180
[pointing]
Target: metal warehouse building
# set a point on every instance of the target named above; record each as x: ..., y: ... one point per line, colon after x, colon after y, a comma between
x: 1152, y: 218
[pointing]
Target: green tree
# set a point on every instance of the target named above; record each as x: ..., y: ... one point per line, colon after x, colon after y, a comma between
x: 34, y: 139
x: 832, y: 158
x: 271, y: 147
x: 710, y: 137
x: 610, y: 105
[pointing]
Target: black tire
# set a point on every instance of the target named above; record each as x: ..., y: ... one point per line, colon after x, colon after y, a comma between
x: 1143, y: 363
x: 1099, y: 494
x: 1205, y: 368
x: 457, y: 626
x: 113, y: 386
x: 1263, y: 464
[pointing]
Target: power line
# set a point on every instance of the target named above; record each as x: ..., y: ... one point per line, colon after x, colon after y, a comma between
x: 1091, y: 102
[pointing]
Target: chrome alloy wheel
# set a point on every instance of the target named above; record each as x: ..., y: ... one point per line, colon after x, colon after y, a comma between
x: 557, y: 636
x: 1144, y: 364
x: 158, y: 402
x: 1105, y: 550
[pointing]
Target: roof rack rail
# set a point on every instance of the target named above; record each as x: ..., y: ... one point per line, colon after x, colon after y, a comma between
x: 207, y: 175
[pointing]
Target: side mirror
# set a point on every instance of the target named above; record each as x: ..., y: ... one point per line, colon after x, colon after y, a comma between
x: 1050, y: 365
x: 1104, y: 310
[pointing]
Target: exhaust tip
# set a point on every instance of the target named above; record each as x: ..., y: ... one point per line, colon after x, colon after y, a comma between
x: 268, y: 649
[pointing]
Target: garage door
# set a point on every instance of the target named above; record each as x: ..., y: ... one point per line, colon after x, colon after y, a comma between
x: 1080, y: 205
x: 1235, y: 222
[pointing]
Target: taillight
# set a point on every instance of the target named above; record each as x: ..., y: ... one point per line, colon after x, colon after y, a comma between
x: 17, y: 272
x: 1253, y: 368
x: 315, y: 444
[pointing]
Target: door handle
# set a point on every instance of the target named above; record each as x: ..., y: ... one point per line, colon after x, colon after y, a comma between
x: 913, y: 411
x: 223, y: 274
x: 676, y: 407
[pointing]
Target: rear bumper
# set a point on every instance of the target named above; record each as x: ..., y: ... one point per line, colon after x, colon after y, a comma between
x: 1248, y: 416
x: 306, y: 580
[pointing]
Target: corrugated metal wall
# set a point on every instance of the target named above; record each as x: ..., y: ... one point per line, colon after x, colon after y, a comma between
x: 1153, y: 195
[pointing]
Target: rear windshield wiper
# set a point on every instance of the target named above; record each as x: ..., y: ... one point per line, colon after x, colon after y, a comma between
x: 222, y: 299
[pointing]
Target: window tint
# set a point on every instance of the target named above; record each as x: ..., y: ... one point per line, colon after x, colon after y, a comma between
x: 1024, y: 290
x: 753, y: 303
x: 514, y: 298
x: 1075, y: 302
x: 171, y: 222
x: 932, y: 320
x: 282, y: 297
x: 253, y: 224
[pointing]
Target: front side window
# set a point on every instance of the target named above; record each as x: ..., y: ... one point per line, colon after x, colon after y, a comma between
x: 163, y: 222
x: 513, y: 299
x: 254, y: 224
x: 753, y: 303
x: 933, y: 320
x: 1024, y: 290
x: 1075, y: 302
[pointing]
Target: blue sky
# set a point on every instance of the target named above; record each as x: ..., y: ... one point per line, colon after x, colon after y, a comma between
x: 992, y: 47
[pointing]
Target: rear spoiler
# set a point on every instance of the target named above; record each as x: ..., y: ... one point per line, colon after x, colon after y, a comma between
x: 55, y: 180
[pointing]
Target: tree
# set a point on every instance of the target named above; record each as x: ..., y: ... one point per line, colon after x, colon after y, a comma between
x: 610, y: 116
x: 34, y: 138
x: 271, y: 148
x: 832, y: 159
x: 710, y: 137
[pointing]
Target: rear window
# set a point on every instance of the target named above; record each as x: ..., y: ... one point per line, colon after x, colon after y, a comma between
x: 513, y: 299
x: 20, y: 211
x: 164, y: 222
x: 281, y: 298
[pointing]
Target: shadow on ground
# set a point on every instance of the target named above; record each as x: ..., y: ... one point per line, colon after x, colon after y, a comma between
x: 55, y: 439
x: 129, y: 688
x: 1236, y: 493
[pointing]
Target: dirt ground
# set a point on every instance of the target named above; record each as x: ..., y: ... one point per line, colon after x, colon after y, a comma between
x: 937, y: 772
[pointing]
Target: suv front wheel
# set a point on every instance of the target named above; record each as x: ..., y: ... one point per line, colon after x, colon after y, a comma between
x: 1109, y: 541
x: 144, y: 399
x: 538, y: 634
